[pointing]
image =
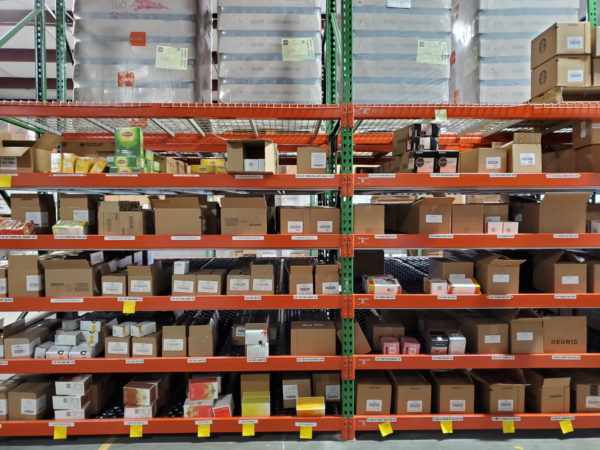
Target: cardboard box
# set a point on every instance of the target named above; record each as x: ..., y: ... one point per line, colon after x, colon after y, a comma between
x: 224, y: 406
x: 501, y: 392
x: 467, y: 219
x: 22, y: 345
x: 483, y: 160
x: 255, y: 382
x: 327, y: 385
x: 327, y: 279
x: 425, y: 216
x: 202, y: 339
x: 293, y: 387
x: 526, y: 332
x: 587, y: 159
x: 454, y: 393
x: 122, y: 218
x: 561, y: 39
x: 373, y: 394
x: 30, y: 401
x: 5, y: 387
x: 313, y: 338
x: 70, y: 401
x: 179, y: 216
x: 595, y: 71
x: 146, y: 280
x: 117, y: 347
x: 310, y: 407
x: 411, y: 393
x: 80, y: 207
x: 3, y: 282
x: 377, y: 327
x: 210, y: 281
x: 484, y: 334
x: 38, y: 208
x: 550, y: 162
x: 174, y: 340
x: 565, y: 334
x: 183, y: 284
x: 301, y: 280
x: 369, y: 219
x: 140, y: 393
x: 584, y: 391
x: 498, y: 275
x: 495, y: 212
x: 27, y: 156
x: 73, y: 384
x: 243, y: 215
x: 238, y: 152
x: 524, y: 153
x: 68, y: 278
x: 114, y: 284
x: 262, y: 279
x: 238, y: 282
x: 565, y: 161
x: 585, y: 133
x: 312, y: 160
x: 256, y: 404
x: 446, y: 269
x: 558, y: 212
x: 167, y: 164
x: 593, y: 276
x: 324, y: 220
x: 562, y: 71
x: 203, y: 389
x: 25, y: 276
x: 294, y: 220
x: 559, y: 272
x: 548, y: 392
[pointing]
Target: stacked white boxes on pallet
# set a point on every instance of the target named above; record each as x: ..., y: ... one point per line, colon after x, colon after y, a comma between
x: 491, y: 40
x: 132, y: 51
x: 270, y: 51
x: 402, y: 51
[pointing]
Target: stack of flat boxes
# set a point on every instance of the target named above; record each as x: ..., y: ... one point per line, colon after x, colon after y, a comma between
x: 491, y: 41
x: 402, y: 55
x: 270, y: 53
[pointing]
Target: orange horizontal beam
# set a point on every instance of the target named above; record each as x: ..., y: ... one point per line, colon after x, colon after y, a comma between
x: 174, y: 303
x: 425, y: 301
x: 156, y: 242
x: 178, y: 425
x: 182, y: 364
x: 448, y: 362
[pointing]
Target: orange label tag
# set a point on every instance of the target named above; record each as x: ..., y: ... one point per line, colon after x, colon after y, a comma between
x: 137, y: 38
x: 126, y: 79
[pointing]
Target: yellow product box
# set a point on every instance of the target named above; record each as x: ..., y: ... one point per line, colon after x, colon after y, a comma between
x: 83, y: 165
x: 149, y: 155
x: 56, y: 163
x: 256, y: 404
x: 70, y: 228
x: 221, y: 170
x: 99, y: 165
x: 213, y: 162
x: 68, y: 162
x: 310, y: 406
x: 195, y: 168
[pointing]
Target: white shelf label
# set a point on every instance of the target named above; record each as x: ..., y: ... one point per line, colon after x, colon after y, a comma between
x: 65, y: 175
x: 186, y: 175
x: 203, y: 422
x: 559, y: 418
x: 315, y: 176
x: 252, y: 298
x: 70, y: 238
x: 256, y: 360
x: 503, y: 357
x: 441, y: 236
x: 566, y: 236
x: 506, y: 419
x: 61, y: 424
x: 566, y: 357
x: 442, y: 358
x: 66, y: 300
x: 505, y: 236
x: 122, y: 175
x: 130, y: 299
x: 196, y: 360
x: 248, y: 177
x: 246, y: 421
x: 305, y: 238
x: 386, y: 236
x: 135, y: 422
x: 558, y: 176
x: 3, y: 363
x: 503, y: 175
x: 306, y: 424
x: 6, y: 300
x: 444, y: 175
x: 119, y: 238
x: 381, y: 419
x: 18, y: 236
x: 565, y: 297
x: 446, y: 297
x: 248, y: 238
x: 384, y: 297
x: 183, y: 299
x: 186, y: 238
x: 310, y: 360
x: 388, y: 358
x: 134, y: 361
x: 500, y: 297
x: 382, y: 175
x: 448, y: 419
x: 63, y: 362
x: 306, y: 297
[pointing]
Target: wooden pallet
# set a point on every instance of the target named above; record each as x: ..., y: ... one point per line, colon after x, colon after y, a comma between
x: 569, y: 95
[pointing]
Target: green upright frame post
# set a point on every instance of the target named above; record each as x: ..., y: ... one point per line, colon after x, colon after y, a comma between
x: 593, y: 13
x: 61, y: 51
x: 331, y: 97
x: 347, y: 216
x: 39, y: 26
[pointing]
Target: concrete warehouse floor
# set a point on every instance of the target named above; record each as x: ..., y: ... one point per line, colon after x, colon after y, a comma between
x: 483, y: 440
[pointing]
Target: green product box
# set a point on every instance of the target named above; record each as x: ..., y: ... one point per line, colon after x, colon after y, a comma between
x: 128, y: 161
x: 149, y: 155
x: 126, y: 170
x: 129, y: 142
x: 155, y: 166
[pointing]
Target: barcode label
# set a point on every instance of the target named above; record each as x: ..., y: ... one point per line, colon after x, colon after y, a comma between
x: 256, y: 360
x: 441, y: 236
x: 186, y: 238
x: 247, y: 238
x: 305, y: 238
x: 196, y: 360
x: 374, y: 405
x: 505, y: 405
x: 566, y: 357
x: 442, y: 358
x: 388, y: 358
x: 119, y: 238
x: 458, y: 405
x: 503, y: 357
x: 310, y: 360
x: 499, y: 297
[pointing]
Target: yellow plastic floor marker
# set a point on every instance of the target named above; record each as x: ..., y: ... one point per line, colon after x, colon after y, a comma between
x: 5, y: 181
x: 446, y: 426
x: 135, y: 431
x: 247, y: 429
x: 204, y: 430
x: 566, y: 426
x: 305, y: 432
x: 128, y: 307
x: 60, y: 432
x: 508, y: 426
x: 385, y: 428
x: 441, y: 115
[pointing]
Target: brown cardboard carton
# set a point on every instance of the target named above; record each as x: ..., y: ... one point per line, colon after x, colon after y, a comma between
x: 183, y: 284
x: 312, y: 160
x: 117, y: 347
x: 369, y: 219
x: 595, y: 71
x: 327, y: 385
x: 501, y: 392
x: 446, y: 269
x: 146, y: 280
x: 146, y: 346
x: 5, y: 387
x: 495, y: 212
x: 313, y: 338
x: 454, y: 393
x: 368, y: 262
x: 25, y: 276
x: 239, y: 152
x: 38, y: 208
x: 559, y: 272
x: 373, y: 394
x: 255, y: 382
x: 498, y: 275
x: 30, y: 401
x: 25, y: 156
x: 262, y: 279
x: 585, y: 133
x: 565, y: 160
x: 174, y: 340
x: 114, y: 285
x: 238, y: 282
x: 526, y: 333
x: 123, y: 218
x: 9, y: 330
x: 484, y: 334
x: 22, y: 345
x: 167, y: 164
x: 584, y: 391
x: 561, y: 39
x: 483, y: 160
x: 593, y: 276
x: 179, y: 216
x: 294, y: 220
x: 595, y: 43
x: 558, y: 212
x: 3, y: 282
x: 210, y: 281
x: 202, y: 339
x: 243, y: 215
x: 301, y: 280
x: 562, y: 71
x: 547, y: 392
x: 361, y: 344
x: 89, y: 149
x: 524, y: 153
x: 425, y: 216
x: 549, y: 162
x: 68, y: 278
x: 565, y: 334
x: 79, y: 207
x: 327, y: 279
x: 587, y: 159
x: 378, y: 327
x: 324, y: 220
x: 412, y: 393
x: 295, y: 386
x: 467, y: 219
x: 100, y: 393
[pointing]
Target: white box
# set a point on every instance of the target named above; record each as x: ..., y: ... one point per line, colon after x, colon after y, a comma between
x: 84, y: 351
x: 494, y: 227
x: 123, y: 329
x: 58, y: 352
x: 510, y: 227
x: 257, y: 350
x: 92, y: 325
x: 75, y: 414
x: 90, y: 338
x: 253, y: 165
x: 70, y: 338
x: 138, y: 412
x: 181, y: 267
x: 256, y: 337
x: 225, y: 404
x: 70, y: 324
x: 457, y: 343
x: 67, y: 401
x: 75, y: 385
x: 143, y: 329
x: 40, y: 350
x: 594, y: 226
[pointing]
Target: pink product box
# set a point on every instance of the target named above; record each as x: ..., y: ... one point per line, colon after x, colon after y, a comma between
x: 510, y: 227
x: 409, y: 345
x: 494, y: 227
x: 390, y: 346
